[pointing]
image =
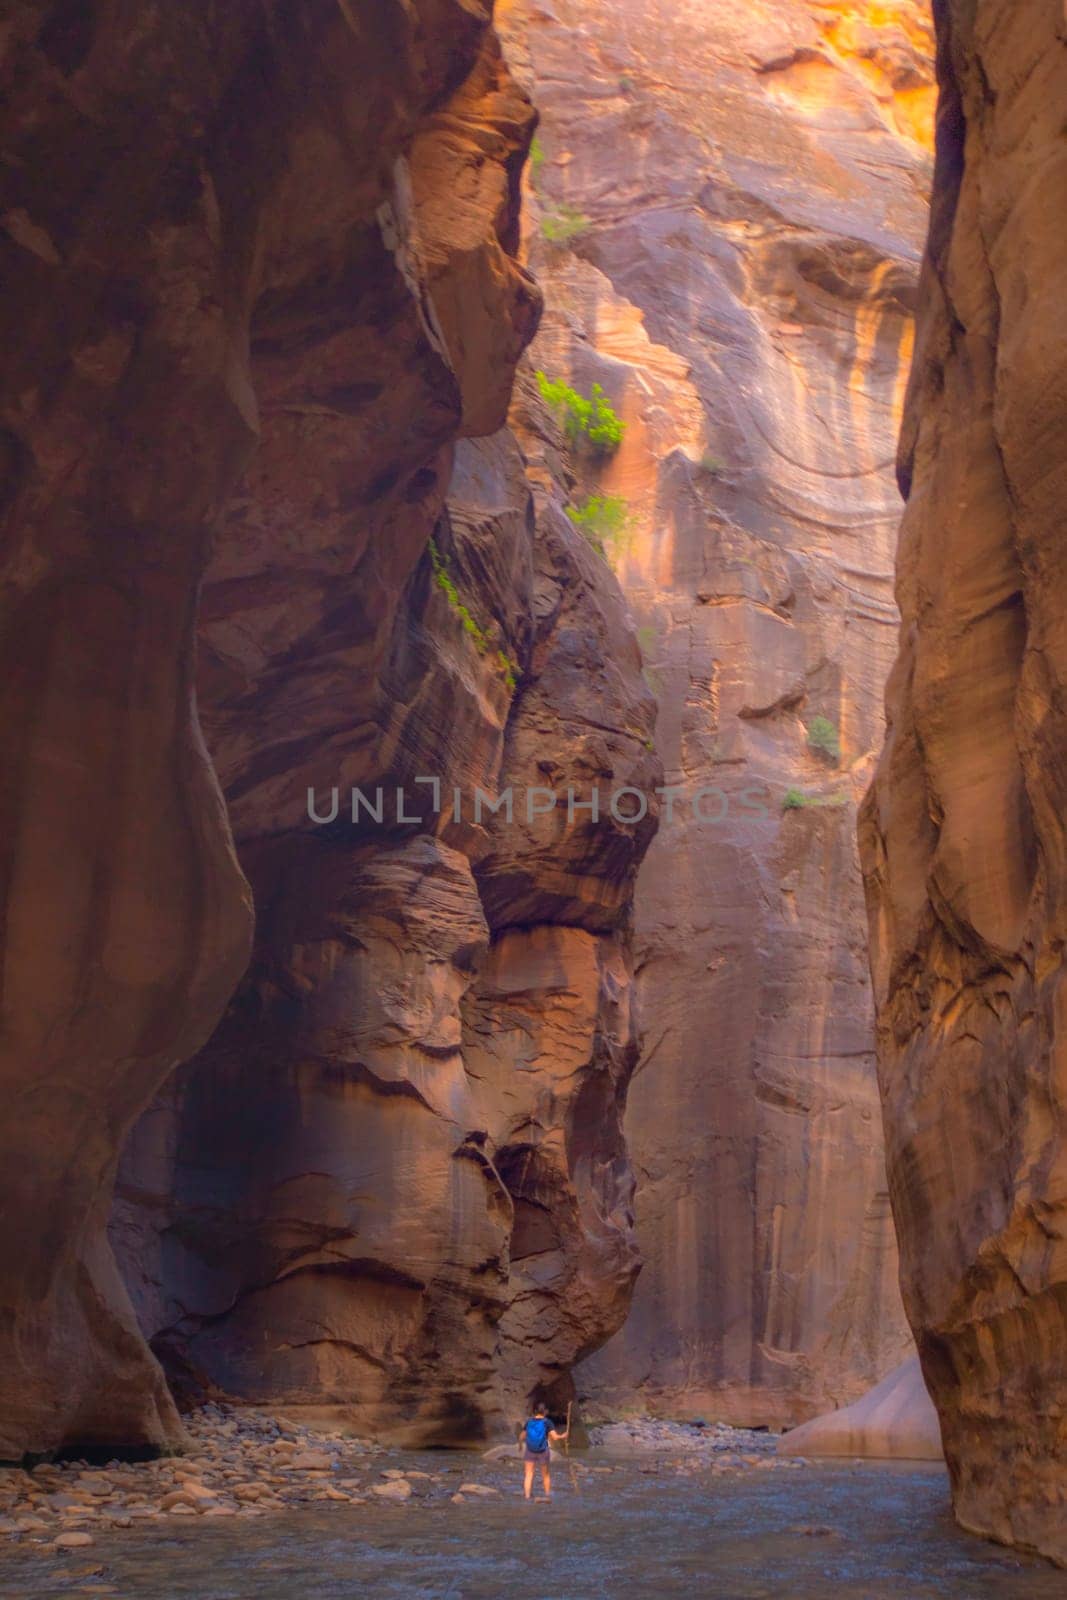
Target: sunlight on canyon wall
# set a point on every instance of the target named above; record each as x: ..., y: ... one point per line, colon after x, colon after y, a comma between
x: 745, y: 189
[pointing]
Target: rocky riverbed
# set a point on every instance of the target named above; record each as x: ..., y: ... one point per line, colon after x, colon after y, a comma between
x: 691, y: 1445
x: 246, y: 1464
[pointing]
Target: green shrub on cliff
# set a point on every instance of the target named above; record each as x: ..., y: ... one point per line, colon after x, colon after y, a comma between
x: 564, y: 225
x: 823, y: 738
x: 799, y: 800
x: 586, y: 420
x: 443, y: 579
x: 604, y: 520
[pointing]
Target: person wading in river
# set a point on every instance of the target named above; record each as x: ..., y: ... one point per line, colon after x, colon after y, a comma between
x: 537, y: 1436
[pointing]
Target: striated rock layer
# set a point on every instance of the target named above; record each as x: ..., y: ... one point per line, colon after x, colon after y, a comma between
x: 963, y: 833
x: 727, y: 211
x: 223, y: 228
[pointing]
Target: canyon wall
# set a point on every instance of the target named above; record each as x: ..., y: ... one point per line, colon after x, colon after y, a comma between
x: 126, y: 417
x: 393, y: 1186
x: 260, y: 276
x: 726, y: 212
x: 963, y: 833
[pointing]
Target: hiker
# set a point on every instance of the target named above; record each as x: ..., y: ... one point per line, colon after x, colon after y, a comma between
x: 537, y: 1436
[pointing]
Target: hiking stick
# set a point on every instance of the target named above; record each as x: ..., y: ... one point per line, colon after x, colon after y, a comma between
x: 567, y: 1450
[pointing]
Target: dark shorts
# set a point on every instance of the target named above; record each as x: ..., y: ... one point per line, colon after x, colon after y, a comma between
x: 543, y: 1456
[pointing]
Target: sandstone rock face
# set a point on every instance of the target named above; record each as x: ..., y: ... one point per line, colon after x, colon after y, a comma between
x: 126, y: 919
x: 394, y: 1185
x: 726, y: 214
x: 896, y: 1420
x: 963, y: 839
x: 295, y: 230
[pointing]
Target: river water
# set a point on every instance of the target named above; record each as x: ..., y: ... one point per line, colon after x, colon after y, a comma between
x: 846, y: 1531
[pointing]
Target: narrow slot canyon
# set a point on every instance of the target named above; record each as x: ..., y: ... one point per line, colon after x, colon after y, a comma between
x: 531, y: 789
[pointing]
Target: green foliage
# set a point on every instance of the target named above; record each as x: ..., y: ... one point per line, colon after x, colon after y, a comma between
x: 605, y: 521
x: 799, y: 800
x: 585, y: 420
x: 537, y: 159
x: 713, y: 465
x: 509, y: 668
x: 443, y: 580
x: 564, y: 225
x: 626, y: 84
x: 823, y: 737
x: 646, y: 638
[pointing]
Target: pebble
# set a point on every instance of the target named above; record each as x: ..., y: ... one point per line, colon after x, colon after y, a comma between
x: 393, y: 1489
x: 179, y: 1501
x: 197, y: 1491
x: 73, y: 1541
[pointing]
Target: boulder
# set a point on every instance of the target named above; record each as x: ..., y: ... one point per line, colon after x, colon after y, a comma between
x: 895, y: 1420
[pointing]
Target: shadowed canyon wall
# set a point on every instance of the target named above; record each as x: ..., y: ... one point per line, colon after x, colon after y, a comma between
x: 259, y: 278
x: 963, y: 833
x: 393, y: 1186
x: 726, y: 212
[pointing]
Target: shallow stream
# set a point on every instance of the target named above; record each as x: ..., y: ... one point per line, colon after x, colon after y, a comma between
x: 848, y: 1531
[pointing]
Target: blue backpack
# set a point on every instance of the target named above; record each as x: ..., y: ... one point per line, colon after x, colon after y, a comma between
x: 537, y: 1430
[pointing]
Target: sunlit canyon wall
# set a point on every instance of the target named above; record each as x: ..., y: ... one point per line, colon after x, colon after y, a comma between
x: 745, y: 190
